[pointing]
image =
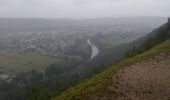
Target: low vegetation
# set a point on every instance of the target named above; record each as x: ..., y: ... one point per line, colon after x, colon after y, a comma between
x: 97, y: 84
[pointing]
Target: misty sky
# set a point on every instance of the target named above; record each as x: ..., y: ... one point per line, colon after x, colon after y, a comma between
x: 83, y: 8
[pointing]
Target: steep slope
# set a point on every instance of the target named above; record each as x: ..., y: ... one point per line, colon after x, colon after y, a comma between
x: 114, y: 54
x: 146, y: 80
x: 102, y: 84
x: 134, y: 78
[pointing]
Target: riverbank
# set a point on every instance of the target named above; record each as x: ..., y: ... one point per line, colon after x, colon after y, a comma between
x: 94, y: 49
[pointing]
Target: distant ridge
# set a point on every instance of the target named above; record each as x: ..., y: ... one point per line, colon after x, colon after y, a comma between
x: 37, y: 24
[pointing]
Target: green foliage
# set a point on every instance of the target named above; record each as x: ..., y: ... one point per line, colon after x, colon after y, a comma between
x: 141, y: 48
x: 59, y: 76
x: 35, y: 76
x: 32, y: 70
x: 97, y: 84
x: 160, y: 36
x: 54, y: 69
x: 80, y: 48
x: 39, y: 93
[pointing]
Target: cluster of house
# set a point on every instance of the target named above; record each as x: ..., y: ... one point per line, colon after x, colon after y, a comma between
x: 44, y: 43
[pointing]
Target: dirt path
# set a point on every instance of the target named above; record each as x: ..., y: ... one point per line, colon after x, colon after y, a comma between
x: 147, y: 80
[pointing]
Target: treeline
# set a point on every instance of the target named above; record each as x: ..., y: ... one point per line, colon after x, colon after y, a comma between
x: 35, y: 85
x: 156, y: 37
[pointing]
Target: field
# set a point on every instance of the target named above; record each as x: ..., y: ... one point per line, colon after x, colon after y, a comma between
x: 24, y: 62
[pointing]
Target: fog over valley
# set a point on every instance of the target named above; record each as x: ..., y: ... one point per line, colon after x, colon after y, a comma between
x: 72, y: 49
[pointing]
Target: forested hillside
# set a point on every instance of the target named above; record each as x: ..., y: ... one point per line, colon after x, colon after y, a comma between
x: 154, y: 47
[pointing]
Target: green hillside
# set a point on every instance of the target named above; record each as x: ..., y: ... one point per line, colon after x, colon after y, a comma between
x: 97, y: 84
x: 154, y: 44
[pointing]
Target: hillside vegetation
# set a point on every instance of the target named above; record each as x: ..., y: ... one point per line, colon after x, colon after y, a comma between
x: 97, y: 84
x: 156, y: 43
x: 40, y: 59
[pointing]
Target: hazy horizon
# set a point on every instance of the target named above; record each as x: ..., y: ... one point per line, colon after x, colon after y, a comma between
x: 90, y: 18
x: 83, y: 9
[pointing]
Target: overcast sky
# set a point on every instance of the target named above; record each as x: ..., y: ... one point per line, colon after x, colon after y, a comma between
x: 83, y: 8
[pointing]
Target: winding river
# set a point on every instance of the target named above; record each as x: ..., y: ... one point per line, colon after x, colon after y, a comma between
x: 94, y: 50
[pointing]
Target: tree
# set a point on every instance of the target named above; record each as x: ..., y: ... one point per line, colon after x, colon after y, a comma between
x: 39, y: 93
x: 53, y: 69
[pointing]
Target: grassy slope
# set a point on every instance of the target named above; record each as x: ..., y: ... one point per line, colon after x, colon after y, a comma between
x: 25, y: 62
x: 97, y: 84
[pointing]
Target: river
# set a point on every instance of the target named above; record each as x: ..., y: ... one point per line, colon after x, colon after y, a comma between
x: 94, y: 50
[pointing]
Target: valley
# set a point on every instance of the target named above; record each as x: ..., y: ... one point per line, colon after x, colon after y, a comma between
x: 53, y: 55
x: 84, y: 49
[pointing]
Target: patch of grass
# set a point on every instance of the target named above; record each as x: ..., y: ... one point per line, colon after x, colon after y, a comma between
x: 25, y: 62
x: 97, y: 85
